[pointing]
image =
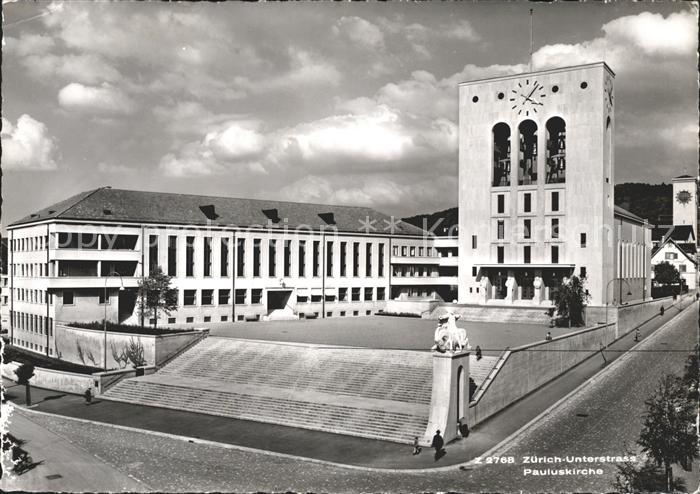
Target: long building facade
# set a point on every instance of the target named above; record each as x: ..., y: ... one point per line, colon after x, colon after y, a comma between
x: 230, y: 259
x: 536, y: 191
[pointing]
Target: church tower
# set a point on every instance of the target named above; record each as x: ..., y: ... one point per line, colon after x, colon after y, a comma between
x: 536, y: 185
x: 685, y: 202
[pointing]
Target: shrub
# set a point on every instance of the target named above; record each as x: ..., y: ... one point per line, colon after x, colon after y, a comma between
x: 126, y: 328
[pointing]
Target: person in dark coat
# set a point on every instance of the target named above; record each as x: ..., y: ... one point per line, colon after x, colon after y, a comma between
x: 88, y: 396
x: 438, y: 443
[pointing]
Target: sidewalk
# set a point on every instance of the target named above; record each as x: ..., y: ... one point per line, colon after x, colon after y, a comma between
x: 61, y: 465
x: 333, y: 447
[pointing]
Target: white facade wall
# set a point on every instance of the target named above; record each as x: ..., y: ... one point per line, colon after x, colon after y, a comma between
x: 44, y: 290
x: 586, y: 198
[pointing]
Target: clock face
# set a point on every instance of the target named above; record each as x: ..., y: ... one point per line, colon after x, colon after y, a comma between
x: 527, y: 97
x: 683, y: 197
x: 608, y: 94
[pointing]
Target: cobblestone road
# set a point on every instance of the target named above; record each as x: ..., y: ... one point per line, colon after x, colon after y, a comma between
x: 613, y: 404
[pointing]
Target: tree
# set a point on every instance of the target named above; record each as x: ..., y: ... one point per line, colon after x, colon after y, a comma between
x: 666, y: 273
x: 570, y: 301
x: 134, y: 351
x: 646, y: 477
x: 156, y: 295
x: 668, y: 434
x: 24, y: 373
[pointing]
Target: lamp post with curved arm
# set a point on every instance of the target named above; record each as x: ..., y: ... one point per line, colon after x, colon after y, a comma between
x: 607, y: 305
x: 104, y: 321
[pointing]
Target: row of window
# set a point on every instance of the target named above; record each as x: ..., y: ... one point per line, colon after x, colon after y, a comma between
x: 32, y: 323
x: 348, y: 251
x: 31, y: 346
x: 527, y: 255
x: 223, y: 296
x: 29, y: 243
x: 527, y: 202
x: 32, y: 270
x: 33, y: 296
x: 413, y: 251
x: 527, y: 230
x: 406, y: 271
x: 555, y: 153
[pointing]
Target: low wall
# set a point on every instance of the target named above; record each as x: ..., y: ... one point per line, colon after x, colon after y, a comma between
x: 415, y: 307
x: 102, y: 381
x: 635, y: 313
x: 67, y: 382
x: 632, y: 315
x: 86, y: 346
x: 524, y: 369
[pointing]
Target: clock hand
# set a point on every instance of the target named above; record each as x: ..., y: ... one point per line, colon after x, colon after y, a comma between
x: 533, y: 90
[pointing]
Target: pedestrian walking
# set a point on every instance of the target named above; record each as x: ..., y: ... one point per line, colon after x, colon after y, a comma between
x: 416, y: 448
x: 661, y: 311
x: 548, y: 336
x: 88, y: 396
x: 478, y: 352
x: 636, y: 334
x: 437, y: 444
x: 462, y: 427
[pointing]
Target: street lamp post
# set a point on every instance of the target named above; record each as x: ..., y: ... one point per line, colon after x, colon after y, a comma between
x: 104, y: 321
x: 607, y: 305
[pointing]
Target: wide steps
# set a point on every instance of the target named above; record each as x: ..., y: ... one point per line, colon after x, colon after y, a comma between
x: 348, y: 371
x: 362, y: 422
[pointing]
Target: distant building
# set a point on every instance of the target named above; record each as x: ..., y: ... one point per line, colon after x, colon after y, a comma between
x: 4, y: 288
x: 677, y: 243
x: 230, y: 259
x: 536, y: 191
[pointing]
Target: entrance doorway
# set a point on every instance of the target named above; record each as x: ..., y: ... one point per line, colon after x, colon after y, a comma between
x: 277, y: 299
x: 126, y: 304
x: 499, y: 282
x: 526, y: 282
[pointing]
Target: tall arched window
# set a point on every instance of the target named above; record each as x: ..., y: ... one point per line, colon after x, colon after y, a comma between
x: 556, y: 151
x: 527, y: 171
x: 501, y: 155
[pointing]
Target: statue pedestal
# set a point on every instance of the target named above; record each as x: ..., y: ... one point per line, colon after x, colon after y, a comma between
x: 450, y: 397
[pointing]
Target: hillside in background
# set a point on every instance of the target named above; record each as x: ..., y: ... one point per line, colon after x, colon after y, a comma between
x: 650, y: 201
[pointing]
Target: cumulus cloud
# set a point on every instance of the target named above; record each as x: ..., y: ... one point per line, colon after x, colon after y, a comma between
x: 462, y: 30
x: 234, y: 144
x: 379, y: 140
x: 360, y: 32
x: 85, y: 68
x: 305, y: 70
x: 27, y: 145
x: 103, y: 99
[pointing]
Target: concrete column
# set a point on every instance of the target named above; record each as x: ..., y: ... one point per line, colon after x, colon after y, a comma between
x: 512, y: 287
x: 450, y: 396
x: 538, y: 284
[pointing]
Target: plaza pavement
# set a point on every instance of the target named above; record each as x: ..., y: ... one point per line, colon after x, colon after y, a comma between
x: 387, y: 332
x: 322, y: 446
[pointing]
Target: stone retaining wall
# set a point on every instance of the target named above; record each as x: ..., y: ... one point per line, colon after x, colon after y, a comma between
x: 86, y: 346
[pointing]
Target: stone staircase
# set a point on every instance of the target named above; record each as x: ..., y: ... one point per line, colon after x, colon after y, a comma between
x: 378, y: 394
x: 497, y: 314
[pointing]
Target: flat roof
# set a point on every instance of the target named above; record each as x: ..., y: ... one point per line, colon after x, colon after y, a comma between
x: 539, y: 72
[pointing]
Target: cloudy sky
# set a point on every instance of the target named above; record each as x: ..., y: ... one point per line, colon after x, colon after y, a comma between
x: 325, y: 102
